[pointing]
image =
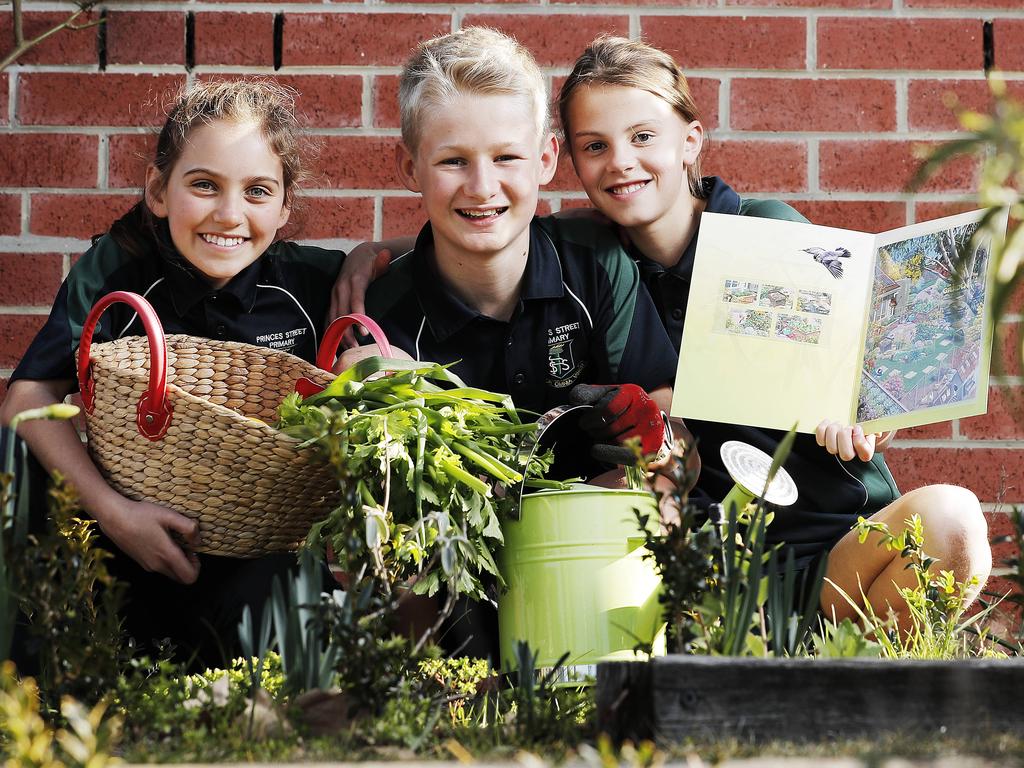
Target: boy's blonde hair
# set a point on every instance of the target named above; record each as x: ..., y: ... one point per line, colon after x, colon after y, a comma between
x: 475, y: 60
x: 632, y: 64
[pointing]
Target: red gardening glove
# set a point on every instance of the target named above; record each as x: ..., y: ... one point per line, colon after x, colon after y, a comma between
x: 623, y: 412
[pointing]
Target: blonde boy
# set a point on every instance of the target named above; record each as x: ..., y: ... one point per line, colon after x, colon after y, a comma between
x: 528, y: 306
x: 532, y: 307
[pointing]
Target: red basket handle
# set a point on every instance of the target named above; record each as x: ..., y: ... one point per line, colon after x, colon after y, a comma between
x: 153, y: 413
x: 329, y: 348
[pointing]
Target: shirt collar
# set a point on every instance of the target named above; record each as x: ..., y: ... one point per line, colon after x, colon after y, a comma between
x: 447, y: 314
x: 543, y: 276
x: 719, y: 197
x: 188, y: 288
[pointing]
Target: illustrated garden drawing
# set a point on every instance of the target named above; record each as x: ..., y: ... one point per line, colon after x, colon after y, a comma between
x: 925, y: 334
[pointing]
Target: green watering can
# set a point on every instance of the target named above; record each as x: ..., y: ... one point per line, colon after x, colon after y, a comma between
x: 576, y: 578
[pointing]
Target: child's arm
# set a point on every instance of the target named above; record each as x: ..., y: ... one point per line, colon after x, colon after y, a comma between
x: 849, y: 442
x: 140, y: 529
x: 364, y: 264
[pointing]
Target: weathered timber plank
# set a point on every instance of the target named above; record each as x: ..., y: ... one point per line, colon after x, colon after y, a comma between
x: 677, y: 697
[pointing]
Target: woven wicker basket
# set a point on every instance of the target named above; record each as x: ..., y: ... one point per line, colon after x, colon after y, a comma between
x: 183, y: 422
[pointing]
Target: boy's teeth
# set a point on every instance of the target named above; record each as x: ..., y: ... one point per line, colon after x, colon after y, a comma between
x: 224, y: 242
x: 627, y: 189
x: 481, y: 214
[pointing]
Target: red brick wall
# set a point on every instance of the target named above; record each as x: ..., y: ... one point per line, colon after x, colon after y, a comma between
x: 819, y: 102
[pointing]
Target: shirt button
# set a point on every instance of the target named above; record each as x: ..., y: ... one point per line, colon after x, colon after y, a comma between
x: 221, y: 330
x: 519, y: 379
x: 677, y: 314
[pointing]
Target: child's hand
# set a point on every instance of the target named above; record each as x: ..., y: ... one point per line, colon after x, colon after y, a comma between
x: 848, y: 442
x: 143, y: 531
x: 623, y: 412
x: 364, y: 263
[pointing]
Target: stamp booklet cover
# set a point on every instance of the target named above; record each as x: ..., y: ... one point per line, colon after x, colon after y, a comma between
x: 794, y: 323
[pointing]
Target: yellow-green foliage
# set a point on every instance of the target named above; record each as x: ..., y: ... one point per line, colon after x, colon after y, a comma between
x: 29, y: 740
x: 998, y: 138
x: 936, y: 603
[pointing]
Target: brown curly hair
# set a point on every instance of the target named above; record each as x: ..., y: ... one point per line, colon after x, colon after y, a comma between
x: 263, y: 102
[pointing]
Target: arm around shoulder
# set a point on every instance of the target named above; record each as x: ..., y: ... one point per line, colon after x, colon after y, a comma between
x: 363, y: 265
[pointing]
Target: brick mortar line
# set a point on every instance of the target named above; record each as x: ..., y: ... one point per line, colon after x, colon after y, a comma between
x: 357, y: 193
x: 810, y: 73
x: 26, y: 213
x: 724, y: 107
x: 102, y: 162
x: 366, y: 99
x: 375, y: 132
x: 811, y: 43
x: 807, y: 196
x: 1005, y: 444
x: 12, y: 97
x: 994, y: 508
x: 896, y: 14
x: 19, y: 309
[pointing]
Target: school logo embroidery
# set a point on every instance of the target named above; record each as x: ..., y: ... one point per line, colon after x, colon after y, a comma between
x: 560, y: 360
x: 563, y: 367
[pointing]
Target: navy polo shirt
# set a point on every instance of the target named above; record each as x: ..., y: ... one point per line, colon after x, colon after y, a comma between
x: 583, y: 316
x: 833, y: 492
x: 278, y: 301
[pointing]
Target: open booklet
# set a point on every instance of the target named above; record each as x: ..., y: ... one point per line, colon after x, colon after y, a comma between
x: 790, y: 322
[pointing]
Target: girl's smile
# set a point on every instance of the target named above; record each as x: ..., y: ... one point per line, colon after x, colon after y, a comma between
x: 631, y: 151
x: 625, y: 190
x: 224, y: 200
x: 223, y: 242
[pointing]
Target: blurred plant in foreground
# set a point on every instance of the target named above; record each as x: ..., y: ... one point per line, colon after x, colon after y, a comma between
x: 998, y: 139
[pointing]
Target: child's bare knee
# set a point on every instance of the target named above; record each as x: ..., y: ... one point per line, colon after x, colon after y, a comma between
x: 955, y: 530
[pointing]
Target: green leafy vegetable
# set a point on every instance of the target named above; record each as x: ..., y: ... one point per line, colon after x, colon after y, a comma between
x: 428, y: 468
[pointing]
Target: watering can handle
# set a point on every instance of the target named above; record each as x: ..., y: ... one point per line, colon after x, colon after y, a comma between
x: 153, y: 413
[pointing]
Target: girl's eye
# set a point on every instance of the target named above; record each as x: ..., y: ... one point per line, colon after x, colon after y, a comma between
x: 506, y: 158
x: 594, y: 146
x: 642, y: 137
x: 259, y: 192
x: 203, y: 186
x: 454, y: 161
